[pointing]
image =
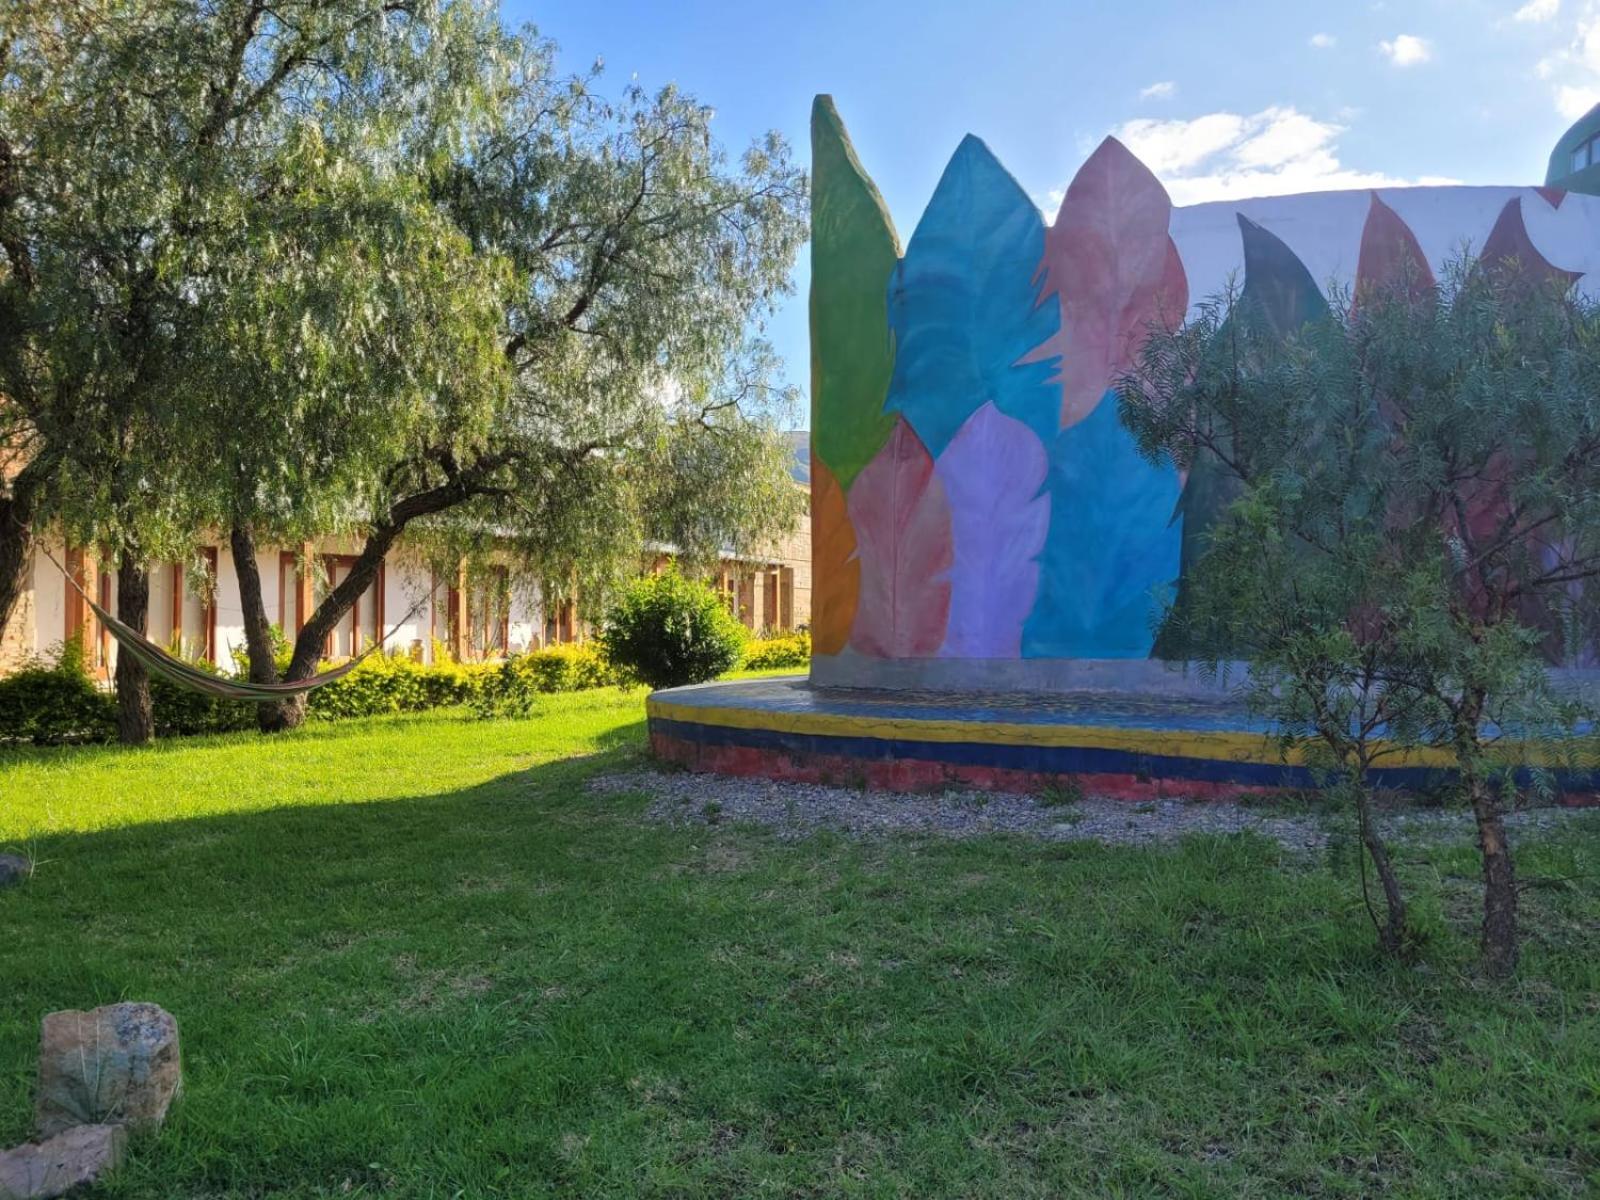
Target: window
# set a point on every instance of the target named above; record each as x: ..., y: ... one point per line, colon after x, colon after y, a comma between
x: 1584, y: 154
x: 293, y: 596
x: 364, y: 623
x: 489, y: 609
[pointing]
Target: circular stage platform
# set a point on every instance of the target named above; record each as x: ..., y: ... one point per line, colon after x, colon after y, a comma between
x: 1111, y: 744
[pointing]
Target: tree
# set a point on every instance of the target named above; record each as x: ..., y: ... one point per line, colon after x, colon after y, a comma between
x: 631, y: 403
x: 140, y: 143
x: 1411, y: 485
x: 354, y: 266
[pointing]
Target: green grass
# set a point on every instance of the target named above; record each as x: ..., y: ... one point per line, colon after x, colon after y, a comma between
x: 417, y: 958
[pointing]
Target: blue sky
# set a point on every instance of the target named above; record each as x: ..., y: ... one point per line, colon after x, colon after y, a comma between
x: 1220, y: 98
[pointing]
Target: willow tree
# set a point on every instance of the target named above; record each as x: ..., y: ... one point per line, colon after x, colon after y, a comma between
x: 628, y: 261
x: 142, y: 144
x: 1413, y: 537
x: 362, y: 267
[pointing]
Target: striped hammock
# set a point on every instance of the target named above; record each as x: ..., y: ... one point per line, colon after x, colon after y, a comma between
x: 186, y: 675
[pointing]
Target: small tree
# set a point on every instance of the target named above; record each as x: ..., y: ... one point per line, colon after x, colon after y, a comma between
x: 1404, y: 502
x: 668, y: 631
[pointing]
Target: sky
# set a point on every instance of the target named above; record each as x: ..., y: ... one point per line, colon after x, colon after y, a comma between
x: 1220, y: 98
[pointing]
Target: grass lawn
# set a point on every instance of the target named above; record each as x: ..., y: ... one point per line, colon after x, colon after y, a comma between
x: 417, y: 958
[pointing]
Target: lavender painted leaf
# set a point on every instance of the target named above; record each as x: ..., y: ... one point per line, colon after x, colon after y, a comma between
x: 1116, y: 270
x: 992, y: 472
x: 901, y: 519
x: 964, y: 306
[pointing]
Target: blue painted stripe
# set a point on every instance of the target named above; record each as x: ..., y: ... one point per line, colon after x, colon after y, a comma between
x: 1062, y: 760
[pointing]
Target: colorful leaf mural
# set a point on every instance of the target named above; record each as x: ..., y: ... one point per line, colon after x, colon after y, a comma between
x: 1509, y: 248
x: 1116, y: 270
x: 853, y: 253
x: 836, y: 571
x: 1391, y: 257
x: 993, y: 471
x: 901, y: 518
x: 965, y: 309
x: 1278, y: 291
x: 1112, y: 549
x: 1277, y: 287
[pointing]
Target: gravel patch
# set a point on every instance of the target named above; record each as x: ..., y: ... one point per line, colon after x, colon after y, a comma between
x: 797, y: 810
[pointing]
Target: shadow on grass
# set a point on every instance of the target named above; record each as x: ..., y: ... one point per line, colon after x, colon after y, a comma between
x: 517, y: 988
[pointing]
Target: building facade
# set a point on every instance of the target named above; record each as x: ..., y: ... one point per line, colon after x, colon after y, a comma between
x: 195, y: 609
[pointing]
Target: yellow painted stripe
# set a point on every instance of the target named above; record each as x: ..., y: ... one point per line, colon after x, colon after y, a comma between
x: 1185, y: 743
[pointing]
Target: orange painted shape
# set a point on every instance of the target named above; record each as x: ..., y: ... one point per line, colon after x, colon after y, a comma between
x: 837, y: 570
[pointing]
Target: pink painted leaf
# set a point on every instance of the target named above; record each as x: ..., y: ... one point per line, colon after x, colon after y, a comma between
x: 1391, y: 257
x: 1112, y: 263
x: 993, y: 474
x: 902, y: 524
x: 1509, y: 248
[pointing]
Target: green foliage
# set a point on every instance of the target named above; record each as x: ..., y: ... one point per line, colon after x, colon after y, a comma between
x: 393, y: 683
x: 780, y: 650
x: 513, y: 687
x: 47, y: 703
x: 351, y: 266
x: 184, y: 712
x: 1413, y: 531
x: 668, y: 631
x: 435, y: 911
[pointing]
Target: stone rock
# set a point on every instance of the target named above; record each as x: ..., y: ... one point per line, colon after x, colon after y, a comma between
x: 14, y: 869
x: 78, y: 1156
x: 116, y: 1065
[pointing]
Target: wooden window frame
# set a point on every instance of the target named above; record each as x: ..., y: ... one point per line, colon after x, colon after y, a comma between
x: 330, y: 564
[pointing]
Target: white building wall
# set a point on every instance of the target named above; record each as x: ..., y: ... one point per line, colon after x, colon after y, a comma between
x: 412, y: 617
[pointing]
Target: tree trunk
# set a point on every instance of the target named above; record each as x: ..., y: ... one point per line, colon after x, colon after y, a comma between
x: 17, y: 513
x: 136, y: 724
x: 1499, y: 939
x: 258, y: 631
x: 1393, y: 931
x: 16, y: 551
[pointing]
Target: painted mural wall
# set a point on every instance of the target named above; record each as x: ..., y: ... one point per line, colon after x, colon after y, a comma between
x: 976, y: 501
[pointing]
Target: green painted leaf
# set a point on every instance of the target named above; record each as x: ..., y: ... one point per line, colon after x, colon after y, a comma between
x: 853, y: 254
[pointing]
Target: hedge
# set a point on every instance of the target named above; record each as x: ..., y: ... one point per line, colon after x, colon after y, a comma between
x: 47, y: 703
x: 782, y: 650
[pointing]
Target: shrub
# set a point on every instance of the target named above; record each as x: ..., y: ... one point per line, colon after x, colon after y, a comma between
x: 782, y: 650
x: 396, y: 683
x: 48, y: 703
x: 183, y: 712
x: 512, y: 688
x: 668, y: 631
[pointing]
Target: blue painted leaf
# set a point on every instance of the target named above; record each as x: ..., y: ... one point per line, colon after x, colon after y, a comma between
x: 964, y: 307
x: 1112, y: 553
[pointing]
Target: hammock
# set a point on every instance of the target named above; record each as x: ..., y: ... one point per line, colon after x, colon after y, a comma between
x: 186, y: 675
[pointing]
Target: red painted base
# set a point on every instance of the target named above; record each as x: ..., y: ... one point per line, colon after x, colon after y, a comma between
x: 921, y: 775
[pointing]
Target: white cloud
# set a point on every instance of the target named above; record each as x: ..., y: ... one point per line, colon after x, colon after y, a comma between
x: 1232, y: 156
x: 1407, y: 50
x: 1324, y: 41
x: 1572, y: 70
x: 1164, y: 90
x: 1537, y: 10
x: 1572, y: 102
